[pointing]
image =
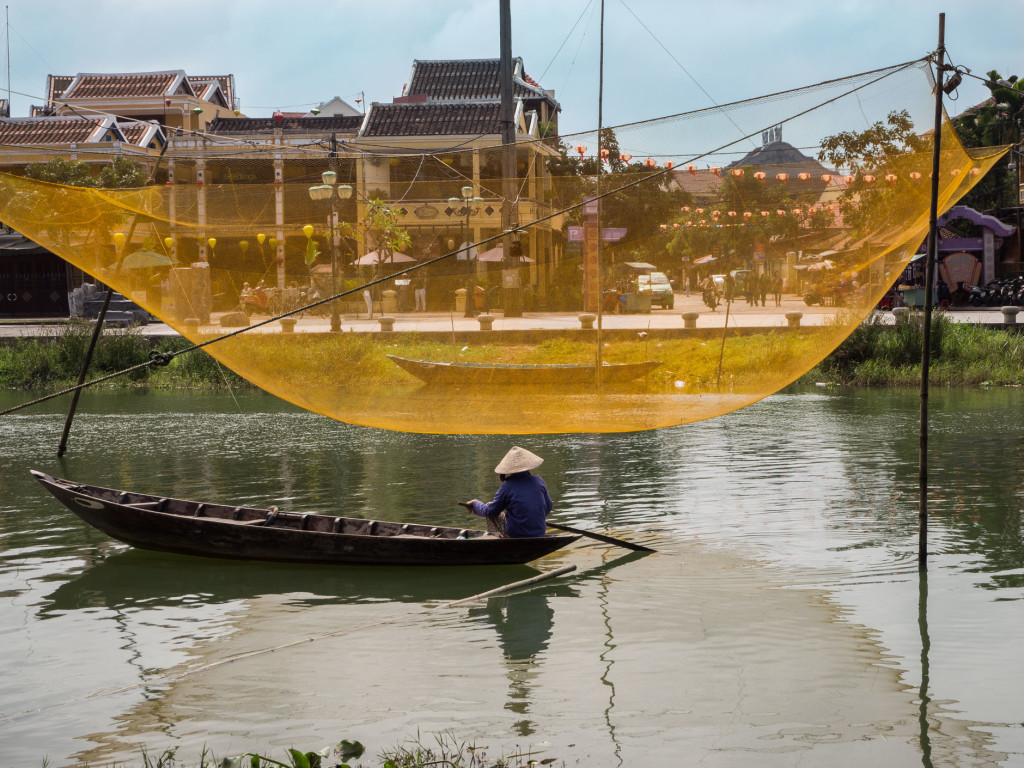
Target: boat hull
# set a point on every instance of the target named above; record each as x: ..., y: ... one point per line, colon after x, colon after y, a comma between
x: 186, y: 527
x: 497, y: 374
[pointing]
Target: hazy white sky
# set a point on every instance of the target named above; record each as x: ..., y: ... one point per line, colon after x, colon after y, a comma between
x: 292, y: 55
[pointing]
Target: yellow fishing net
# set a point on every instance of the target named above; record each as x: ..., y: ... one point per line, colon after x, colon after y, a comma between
x: 714, y: 260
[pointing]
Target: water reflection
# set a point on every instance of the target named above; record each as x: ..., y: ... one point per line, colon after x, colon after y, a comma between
x: 819, y: 486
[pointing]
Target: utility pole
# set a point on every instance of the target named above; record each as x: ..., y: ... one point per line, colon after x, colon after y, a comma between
x: 510, y: 244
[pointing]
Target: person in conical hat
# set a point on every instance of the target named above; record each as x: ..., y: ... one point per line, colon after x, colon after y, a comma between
x: 522, y: 503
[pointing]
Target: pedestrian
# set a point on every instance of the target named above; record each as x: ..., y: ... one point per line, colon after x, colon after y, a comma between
x: 753, y: 289
x: 419, y: 285
x: 763, y: 288
x: 777, y: 289
x: 729, y: 287
x: 521, y: 505
x: 368, y: 298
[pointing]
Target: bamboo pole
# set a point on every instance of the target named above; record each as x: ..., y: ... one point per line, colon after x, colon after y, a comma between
x: 929, y: 283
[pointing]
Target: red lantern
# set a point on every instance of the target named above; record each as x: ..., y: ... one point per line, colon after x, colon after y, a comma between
x: 650, y: 162
x: 782, y: 177
x: 669, y: 164
x: 760, y: 175
x: 700, y: 211
x: 868, y: 178
x: 826, y: 177
x: 803, y: 176
x: 675, y: 225
x: 764, y: 214
x: 582, y: 149
x: 692, y: 169
x: 956, y: 171
x: 849, y: 179
x: 732, y: 214
x: 663, y: 226
x: 604, y: 154
x: 781, y: 212
x: 975, y: 171
x: 737, y: 172
x: 278, y: 116
x: 891, y: 178
x: 797, y: 212
x: 747, y: 214
x: 685, y: 209
x: 625, y: 157
x: 715, y: 214
x: 716, y: 170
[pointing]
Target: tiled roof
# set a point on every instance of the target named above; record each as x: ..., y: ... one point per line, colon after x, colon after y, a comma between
x: 49, y: 130
x: 433, y: 119
x: 468, y: 80
x: 226, y: 85
x: 229, y: 126
x: 140, y: 134
x: 124, y: 85
x: 56, y: 85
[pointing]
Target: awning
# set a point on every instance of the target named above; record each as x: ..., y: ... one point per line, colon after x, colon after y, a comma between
x: 498, y: 254
x: 374, y: 257
x: 705, y: 259
x: 638, y: 266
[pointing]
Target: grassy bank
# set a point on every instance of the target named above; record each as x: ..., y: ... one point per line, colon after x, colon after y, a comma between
x: 874, y: 355
x: 962, y: 354
x: 52, y: 362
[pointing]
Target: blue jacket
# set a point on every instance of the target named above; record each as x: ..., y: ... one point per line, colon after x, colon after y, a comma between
x: 526, y: 503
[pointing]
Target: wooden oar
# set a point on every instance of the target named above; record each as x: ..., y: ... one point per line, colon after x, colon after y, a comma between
x: 601, y: 537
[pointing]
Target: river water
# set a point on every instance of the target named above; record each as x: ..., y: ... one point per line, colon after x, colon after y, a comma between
x: 783, y: 621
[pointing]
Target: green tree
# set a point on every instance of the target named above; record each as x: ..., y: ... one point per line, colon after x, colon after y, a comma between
x: 123, y: 173
x: 868, y: 204
x: 994, y: 122
x: 71, y: 173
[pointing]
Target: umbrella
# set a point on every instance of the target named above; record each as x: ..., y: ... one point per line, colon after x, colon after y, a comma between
x: 143, y: 259
x: 374, y: 258
x: 498, y: 254
x: 826, y: 264
x: 704, y: 259
x: 473, y: 252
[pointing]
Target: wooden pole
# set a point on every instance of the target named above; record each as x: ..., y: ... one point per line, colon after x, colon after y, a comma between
x: 929, y: 282
x: 511, y: 245
x: 63, y: 447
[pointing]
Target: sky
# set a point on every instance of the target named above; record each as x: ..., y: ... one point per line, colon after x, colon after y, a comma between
x: 661, y: 56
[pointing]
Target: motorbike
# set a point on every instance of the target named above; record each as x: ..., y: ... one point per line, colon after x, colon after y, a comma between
x: 254, y: 300
x: 710, y: 297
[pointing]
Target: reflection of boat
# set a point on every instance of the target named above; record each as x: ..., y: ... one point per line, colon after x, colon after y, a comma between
x: 245, y: 533
x: 130, y: 578
x: 508, y: 374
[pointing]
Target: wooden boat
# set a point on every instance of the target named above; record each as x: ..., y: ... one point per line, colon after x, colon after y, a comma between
x: 246, y: 533
x: 508, y: 374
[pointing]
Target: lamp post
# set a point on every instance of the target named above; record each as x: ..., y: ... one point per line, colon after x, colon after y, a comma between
x: 325, y: 191
x: 466, y: 210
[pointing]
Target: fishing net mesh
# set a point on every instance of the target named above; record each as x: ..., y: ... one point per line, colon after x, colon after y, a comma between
x: 713, y: 261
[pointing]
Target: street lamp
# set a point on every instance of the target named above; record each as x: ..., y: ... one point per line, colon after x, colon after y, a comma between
x: 325, y: 191
x: 466, y: 210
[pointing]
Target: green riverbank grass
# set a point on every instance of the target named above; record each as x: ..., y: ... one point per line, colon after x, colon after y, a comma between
x: 874, y: 355
x: 962, y: 355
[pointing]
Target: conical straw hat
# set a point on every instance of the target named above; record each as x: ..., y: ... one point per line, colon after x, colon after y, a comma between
x: 518, y: 460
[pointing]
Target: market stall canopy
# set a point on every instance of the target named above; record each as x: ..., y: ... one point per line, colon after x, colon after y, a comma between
x: 498, y: 254
x: 637, y: 266
x: 373, y: 258
x: 705, y: 259
x: 143, y: 259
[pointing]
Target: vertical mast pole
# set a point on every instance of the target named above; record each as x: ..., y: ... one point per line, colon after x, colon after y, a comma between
x: 599, y: 162
x: 929, y: 281
x: 510, y: 244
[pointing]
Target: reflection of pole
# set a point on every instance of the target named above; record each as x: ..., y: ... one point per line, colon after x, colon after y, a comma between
x: 929, y: 279
x: 926, y: 644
